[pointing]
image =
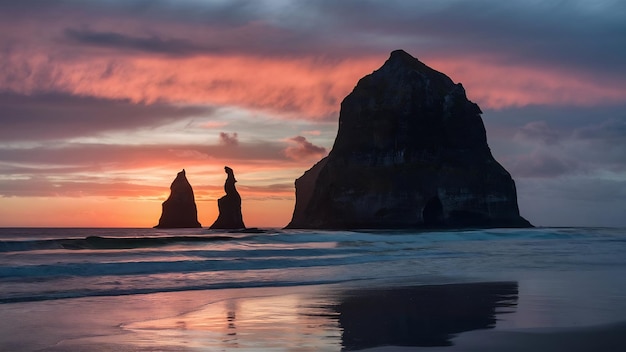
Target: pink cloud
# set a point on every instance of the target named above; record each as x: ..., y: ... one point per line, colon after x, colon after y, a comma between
x: 497, y: 85
x: 214, y: 124
x: 539, y: 130
x: 248, y: 61
x: 312, y: 133
x: 301, y: 148
x: 229, y: 139
x: 302, y: 88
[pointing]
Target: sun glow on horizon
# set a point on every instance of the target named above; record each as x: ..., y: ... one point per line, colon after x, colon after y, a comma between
x: 97, y: 211
x: 103, y: 102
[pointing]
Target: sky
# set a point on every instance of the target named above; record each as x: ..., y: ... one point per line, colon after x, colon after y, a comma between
x: 103, y: 102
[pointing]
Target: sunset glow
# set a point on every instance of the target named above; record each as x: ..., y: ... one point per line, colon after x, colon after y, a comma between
x: 103, y: 102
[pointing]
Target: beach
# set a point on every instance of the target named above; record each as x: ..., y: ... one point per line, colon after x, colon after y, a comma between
x: 479, y: 290
x: 488, y: 316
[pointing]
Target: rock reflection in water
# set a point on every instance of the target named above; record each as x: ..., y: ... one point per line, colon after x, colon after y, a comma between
x: 422, y: 315
x: 326, y: 318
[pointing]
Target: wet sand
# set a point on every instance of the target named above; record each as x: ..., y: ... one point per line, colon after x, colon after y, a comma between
x: 606, y: 338
x: 478, y: 316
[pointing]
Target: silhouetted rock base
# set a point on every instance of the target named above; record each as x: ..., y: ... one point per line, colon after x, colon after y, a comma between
x: 179, y: 210
x: 230, y: 216
x: 229, y: 206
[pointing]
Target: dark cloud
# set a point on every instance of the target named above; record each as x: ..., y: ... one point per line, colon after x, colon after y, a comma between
x: 231, y: 12
x: 573, y: 201
x: 564, y: 119
x: 540, y: 131
x: 539, y: 32
x: 229, y: 139
x: 54, y: 115
x: 602, y: 146
x: 303, y: 149
x: 152, y: 45
x: 16, y: 8
x: 611, y: 131
x: 173, y: 28
x: 255, y: 39
x: 582, y: 36
x: 543, y: 165
x: 592, y: 189
x: 594, y: 151
x: 562, y: 141
x: 596, y: 143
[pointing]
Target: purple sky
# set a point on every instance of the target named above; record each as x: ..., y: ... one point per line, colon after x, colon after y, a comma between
x: 103, y: 102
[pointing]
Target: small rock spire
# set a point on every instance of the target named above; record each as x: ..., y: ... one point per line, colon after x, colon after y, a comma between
x: 179, y: 210
x: 229, y: 206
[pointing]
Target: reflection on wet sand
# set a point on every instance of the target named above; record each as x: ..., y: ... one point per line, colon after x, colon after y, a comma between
x: 323, y: 318
x: 421, y: 316
x: 268, y: 320
x: 231, y: 328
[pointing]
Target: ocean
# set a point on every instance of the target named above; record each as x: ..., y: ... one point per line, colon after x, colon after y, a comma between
x: 286, y: 290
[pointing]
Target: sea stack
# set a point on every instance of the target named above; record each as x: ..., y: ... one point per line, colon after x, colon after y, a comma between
x: 229, y: 205
x: 179, y: 210
x: 411, y: 152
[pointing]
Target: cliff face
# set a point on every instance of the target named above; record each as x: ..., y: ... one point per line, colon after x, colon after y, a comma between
x: 179, y: 210
x: 229, y: 206
x: 411, y: 151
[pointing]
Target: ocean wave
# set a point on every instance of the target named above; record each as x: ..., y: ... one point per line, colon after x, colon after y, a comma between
x: 85, y: 269
x: 133, y: 262
x: 97, y: 242
x: 341, y: 238
x: 47, y: 296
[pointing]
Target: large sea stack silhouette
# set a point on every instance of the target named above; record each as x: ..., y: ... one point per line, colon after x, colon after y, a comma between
x: 229, y: 205
x: 411, y: 152
x: 179, y: 210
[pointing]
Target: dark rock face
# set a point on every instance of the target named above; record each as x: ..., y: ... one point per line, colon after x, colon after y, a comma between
x: 411, y: 152
x: 229, y: 205
x: 179, y: 210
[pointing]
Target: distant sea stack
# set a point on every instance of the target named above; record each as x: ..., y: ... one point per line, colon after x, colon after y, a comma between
x: 179, y: 210
x: 229, y: 205
x: 411, y: 152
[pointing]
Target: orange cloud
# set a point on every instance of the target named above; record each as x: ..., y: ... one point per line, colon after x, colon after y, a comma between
x: 303, y: 149
x: 214, y: 124
x: 307, y: 88
x: 497, y: 85
x: 312, y: 132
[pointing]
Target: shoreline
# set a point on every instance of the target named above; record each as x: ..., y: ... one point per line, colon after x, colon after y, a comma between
x: 464, y: 316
